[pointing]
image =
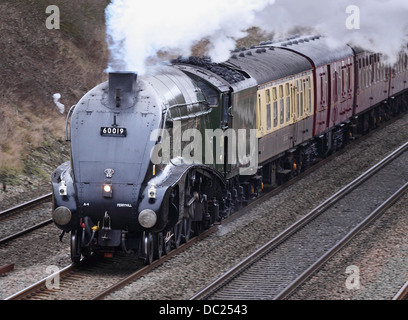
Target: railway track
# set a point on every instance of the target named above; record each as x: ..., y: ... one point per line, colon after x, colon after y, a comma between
x: 75, y: 281
x: 95, y: 279
x: 65, y: 274
x: 280, y: 266
x: 13, y: 212
x: 402, y: 294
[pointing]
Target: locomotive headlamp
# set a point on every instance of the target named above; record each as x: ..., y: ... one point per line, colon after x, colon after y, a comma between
x: 62, y: 216
x: 107, y: 190
x: 152, y: 191
x: 62, y: 188
x: 147, y: 218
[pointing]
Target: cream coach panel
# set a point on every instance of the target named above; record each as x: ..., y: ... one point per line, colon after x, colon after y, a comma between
x: 283, y: 103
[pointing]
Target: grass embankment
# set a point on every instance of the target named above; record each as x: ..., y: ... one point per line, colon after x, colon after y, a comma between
x: 35, y: 63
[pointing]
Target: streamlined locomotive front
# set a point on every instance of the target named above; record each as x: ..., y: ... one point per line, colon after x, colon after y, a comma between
x: 98, y: 196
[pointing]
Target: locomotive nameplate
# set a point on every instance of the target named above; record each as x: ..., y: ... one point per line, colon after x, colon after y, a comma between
x: 113, y: 132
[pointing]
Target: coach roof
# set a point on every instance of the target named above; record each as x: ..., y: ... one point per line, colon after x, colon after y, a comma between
x: 320, y: 50
x: 268, y: 64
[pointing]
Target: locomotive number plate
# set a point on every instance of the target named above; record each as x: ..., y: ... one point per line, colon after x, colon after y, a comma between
x: 113, y: 132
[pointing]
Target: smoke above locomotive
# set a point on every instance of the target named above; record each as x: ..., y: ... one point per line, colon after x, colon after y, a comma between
x: 139, y: 32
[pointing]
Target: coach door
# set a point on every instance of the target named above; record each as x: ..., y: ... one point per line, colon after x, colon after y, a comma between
x: 294, y: 107
x: 322, y: 103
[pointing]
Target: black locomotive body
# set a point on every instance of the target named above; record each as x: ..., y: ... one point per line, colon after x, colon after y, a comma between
x: 157, y: 158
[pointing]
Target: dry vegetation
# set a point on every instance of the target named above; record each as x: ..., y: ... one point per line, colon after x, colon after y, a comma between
x: 35, y: 63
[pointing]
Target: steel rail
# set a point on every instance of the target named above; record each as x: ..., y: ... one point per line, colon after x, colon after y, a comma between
x: 40, y: 285
x: 25, y: 231
x: 402, y: 293
x: 25, y: 205
x: 286, y: 234
x: 341, y: 244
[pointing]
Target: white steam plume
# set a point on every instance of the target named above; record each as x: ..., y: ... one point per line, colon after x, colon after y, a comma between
x: 60, y: 106
x: 138, y: 30
x: 383, y: 24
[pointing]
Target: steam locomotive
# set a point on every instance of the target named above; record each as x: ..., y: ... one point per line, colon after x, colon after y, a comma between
x: 158, y: 158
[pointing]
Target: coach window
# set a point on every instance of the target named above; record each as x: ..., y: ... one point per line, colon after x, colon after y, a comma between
x: 335, y: 87
x: 346, y: 81
x: 268, y: 117
x: 259, y: 113
x: 368, y: 72
x: 376, y: 73
x: 268, y: 110
x: 384, y: 72
x: 366, y: 79
x: 275, y: 107
x: 400, y: 63
x: 282, y: 105
x: 268, y: 96
x: 287, y: 92
x: 383, y: 78
x: 369, y: 75
x: 310, y: 94
x: 322, y: 91
x: 359, y: 73
x: 302, y: 102
x: 297, y: 99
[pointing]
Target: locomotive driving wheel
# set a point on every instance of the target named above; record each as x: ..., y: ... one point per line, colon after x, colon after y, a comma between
x: 75, y: 247
x: 190, y: 197
x: 186, y: 231
x: 158, y: 242
x: 147, y: 248
x: 177, y: 230
x: 167, y: 242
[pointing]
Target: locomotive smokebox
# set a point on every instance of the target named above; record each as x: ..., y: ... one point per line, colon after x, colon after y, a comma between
x: 122, y: 89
